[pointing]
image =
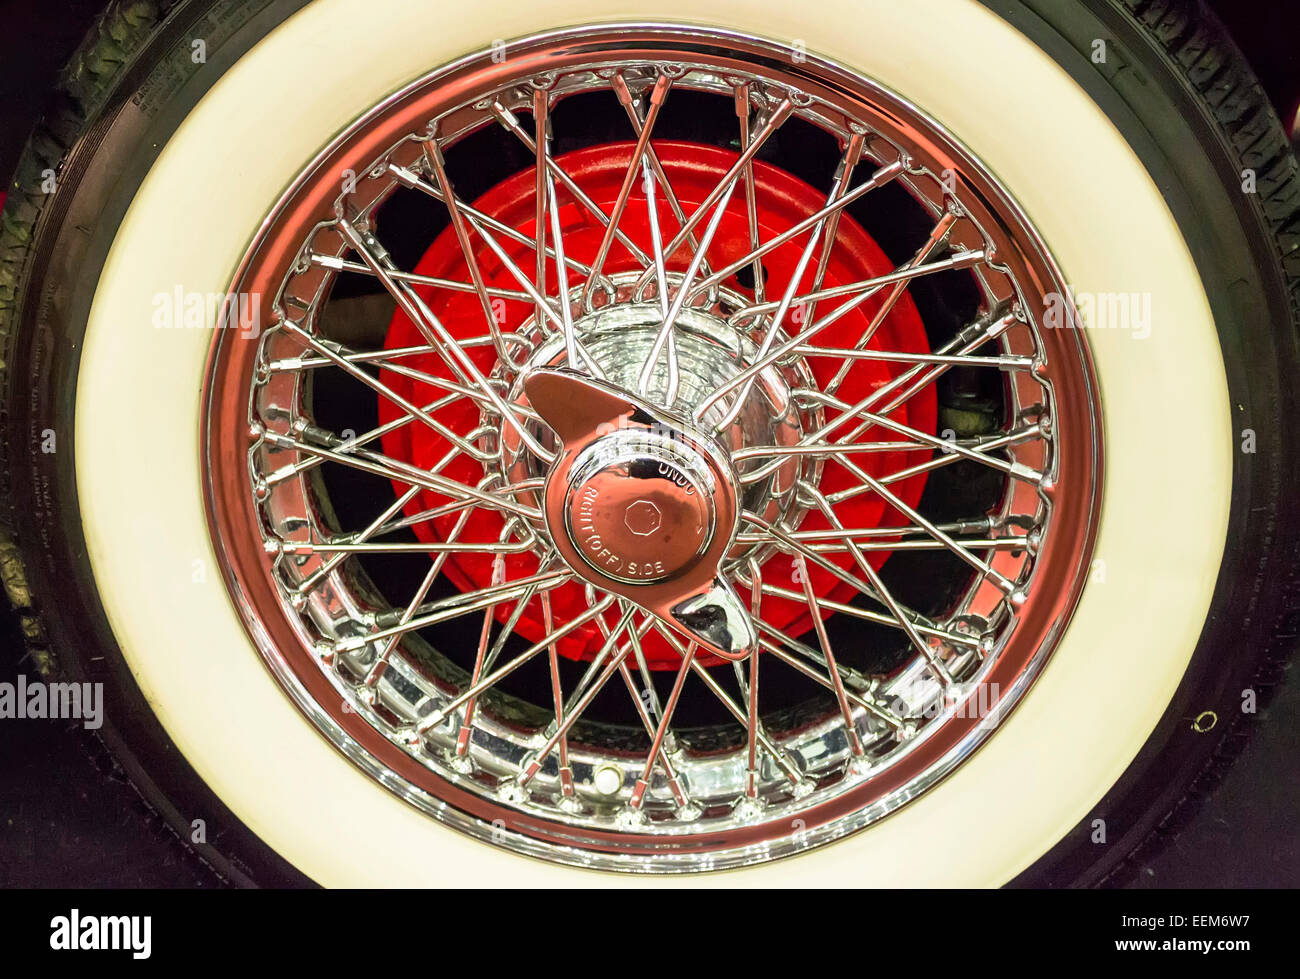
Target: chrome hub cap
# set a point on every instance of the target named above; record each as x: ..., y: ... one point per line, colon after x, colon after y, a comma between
x: 639, y: 507
x: 627, y: 474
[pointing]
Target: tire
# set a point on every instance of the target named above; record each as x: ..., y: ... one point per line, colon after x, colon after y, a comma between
x: 1144, y: 152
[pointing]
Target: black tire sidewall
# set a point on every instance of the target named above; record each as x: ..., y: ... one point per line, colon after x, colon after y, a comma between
x: 98, y: 180
x: 1236, y: 254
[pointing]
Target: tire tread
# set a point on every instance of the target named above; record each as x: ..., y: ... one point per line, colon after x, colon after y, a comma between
x: 81, y: 89
x: 1202, y: 51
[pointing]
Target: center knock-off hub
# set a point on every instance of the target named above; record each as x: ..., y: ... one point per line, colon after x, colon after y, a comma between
x: 639, y: 506
x: 642, y: 508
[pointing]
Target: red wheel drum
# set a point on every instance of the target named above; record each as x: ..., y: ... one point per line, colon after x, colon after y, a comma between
x: 693, y: 171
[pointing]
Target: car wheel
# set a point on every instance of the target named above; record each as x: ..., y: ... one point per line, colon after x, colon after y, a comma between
x: 814, y: 446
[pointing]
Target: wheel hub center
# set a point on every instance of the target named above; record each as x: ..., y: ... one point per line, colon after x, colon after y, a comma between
x: 639, y: 506
x: 618, y: 328
x: 642, y: 508
x: 710, y: 354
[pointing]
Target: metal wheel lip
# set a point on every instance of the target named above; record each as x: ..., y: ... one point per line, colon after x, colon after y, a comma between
x: 524, y: 833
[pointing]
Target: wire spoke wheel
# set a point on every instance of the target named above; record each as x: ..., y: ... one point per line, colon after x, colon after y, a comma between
x: 825, y: 537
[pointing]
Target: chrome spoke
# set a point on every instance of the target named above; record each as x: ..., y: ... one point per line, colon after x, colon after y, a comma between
x: 865, y: 291
x: 546, y: 164
x: 1012, y: 543
x: 783, y: 307
x: 895, y: 609
x: 843, y: 177
x: 751, y: 688
x: 571, y: 343
x: 572, y: 713
x: 414, y: 278
x: 666, y: 328
x: 937, y: 237
x: 751, y: 196
x: 374, y: 384
x: 823, y: 640
x: 878, y: 179
x: 659, y: 733
x: 557, y: 699
x: 1016, y: 469
x: 485, y: 657
x: 462, y: 604
x: 652, y: 729
x: 430, y: 327
x: 763, y: 739
x: 650, y: 159
x: 899, y: 357
x: 393, y: 469
x: 951, y: 545
x: 657, y: 95
x: 375, y: 527
x: 866, y: 288
x: 1026, y: 434
x: 864, y: 615
x: 340, y: 444
x: 541, y: 138
x: 496, y: 676
x: 833, y: 449
x: 479, y: 220
x: 661, y: 277
x: 911, y: 381
x: 433, y: 156
x: 380, y: 664
x: 407, y: 547
x: 470, y: 394
x: 773, y: 123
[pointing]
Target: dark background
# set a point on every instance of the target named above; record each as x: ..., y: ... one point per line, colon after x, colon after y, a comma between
x: 67, y: 821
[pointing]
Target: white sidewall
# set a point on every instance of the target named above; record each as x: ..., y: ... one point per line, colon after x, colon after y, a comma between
x: 1165, y: 404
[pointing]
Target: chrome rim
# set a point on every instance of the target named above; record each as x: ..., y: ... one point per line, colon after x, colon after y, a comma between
x: 892, y: 465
